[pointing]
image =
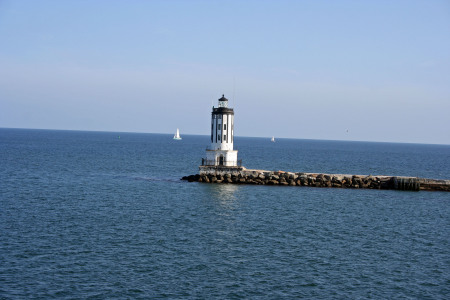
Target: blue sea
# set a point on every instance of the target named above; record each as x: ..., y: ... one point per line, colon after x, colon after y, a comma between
x: 103, y: 215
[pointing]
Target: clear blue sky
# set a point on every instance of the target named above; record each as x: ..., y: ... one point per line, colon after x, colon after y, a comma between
x: 297, y: 69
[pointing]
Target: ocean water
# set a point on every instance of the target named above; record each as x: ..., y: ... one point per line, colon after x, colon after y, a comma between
x: 104, y: 215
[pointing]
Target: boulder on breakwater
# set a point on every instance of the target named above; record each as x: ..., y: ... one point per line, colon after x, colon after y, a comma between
x: 261, y: 177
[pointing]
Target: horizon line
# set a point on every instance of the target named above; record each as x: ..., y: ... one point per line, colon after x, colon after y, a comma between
x: 239, y: 136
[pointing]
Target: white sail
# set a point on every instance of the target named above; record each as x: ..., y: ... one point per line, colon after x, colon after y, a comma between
x: 177, y: 135
x: 272, y: 139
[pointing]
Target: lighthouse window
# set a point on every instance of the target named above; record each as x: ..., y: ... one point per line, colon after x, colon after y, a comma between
x: 224, y: 126
x: 218, y: 137
x: 225, y: 137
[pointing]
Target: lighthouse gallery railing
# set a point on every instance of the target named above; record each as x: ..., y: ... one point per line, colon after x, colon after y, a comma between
x: 224, y: 162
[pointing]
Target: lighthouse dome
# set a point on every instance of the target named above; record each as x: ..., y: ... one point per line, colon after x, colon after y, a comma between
x: 223, y: 102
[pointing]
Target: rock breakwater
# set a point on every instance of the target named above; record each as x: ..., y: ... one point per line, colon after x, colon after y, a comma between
x: 260, y: 177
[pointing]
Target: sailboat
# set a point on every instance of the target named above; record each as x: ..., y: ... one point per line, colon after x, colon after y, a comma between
x: 272, y: 139
x: 177, y: 135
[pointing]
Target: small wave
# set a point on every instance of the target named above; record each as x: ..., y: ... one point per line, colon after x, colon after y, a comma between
x: 139, y: 177
x: 160, y: 179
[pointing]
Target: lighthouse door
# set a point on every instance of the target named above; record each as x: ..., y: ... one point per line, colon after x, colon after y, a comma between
x: 221, y: 160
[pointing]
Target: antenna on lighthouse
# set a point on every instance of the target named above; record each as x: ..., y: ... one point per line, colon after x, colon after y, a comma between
x: 234, y: 87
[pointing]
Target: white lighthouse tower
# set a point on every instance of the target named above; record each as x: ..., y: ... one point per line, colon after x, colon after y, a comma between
x: 221, y: 152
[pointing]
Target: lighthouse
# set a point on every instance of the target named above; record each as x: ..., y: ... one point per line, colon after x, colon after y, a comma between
x: 221, y: 153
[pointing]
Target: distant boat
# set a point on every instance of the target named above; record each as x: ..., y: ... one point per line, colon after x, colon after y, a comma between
x: 272, y: 139
x: 177, y: 135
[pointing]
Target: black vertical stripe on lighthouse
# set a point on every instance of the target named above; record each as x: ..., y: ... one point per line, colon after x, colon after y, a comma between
x: 226, y: 131
x: 232, y: 131
x: 216, y: 127
x: 228, y: 127
x: 231, y: 128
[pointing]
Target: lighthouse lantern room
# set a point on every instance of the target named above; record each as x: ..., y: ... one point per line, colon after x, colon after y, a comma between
x: 221, y: 152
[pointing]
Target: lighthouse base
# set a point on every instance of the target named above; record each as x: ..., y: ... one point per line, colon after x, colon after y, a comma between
x: 221, y: 158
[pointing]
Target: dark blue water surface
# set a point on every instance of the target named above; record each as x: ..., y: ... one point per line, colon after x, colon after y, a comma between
x: 92, y: 215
